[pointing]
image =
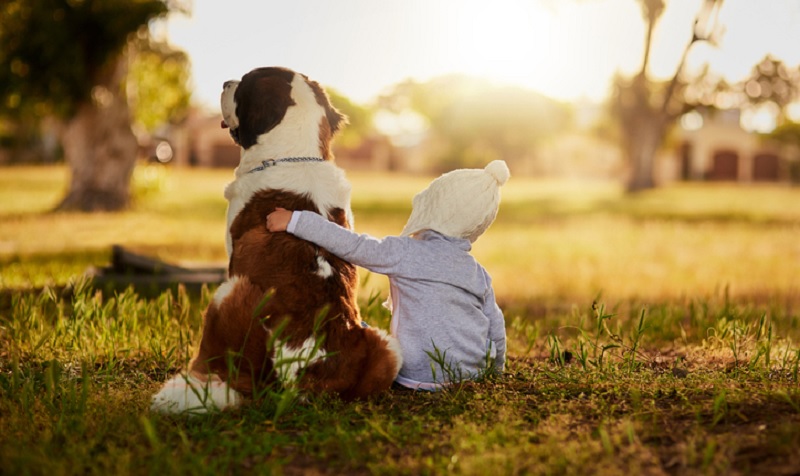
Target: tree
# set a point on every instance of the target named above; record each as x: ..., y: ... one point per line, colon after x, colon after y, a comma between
x: 359, y: 119
x: 158, y: 82
x: 67, y: 58
x: 478, y: 121
x: 775, y: 86
x: 772, y: 83
x: 646, y: 109
x: 502, y: 122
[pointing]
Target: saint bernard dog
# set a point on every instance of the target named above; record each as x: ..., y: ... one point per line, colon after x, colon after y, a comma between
x: 287, y: 315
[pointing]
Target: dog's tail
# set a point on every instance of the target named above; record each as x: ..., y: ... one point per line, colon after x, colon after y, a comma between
x: 382, y: 364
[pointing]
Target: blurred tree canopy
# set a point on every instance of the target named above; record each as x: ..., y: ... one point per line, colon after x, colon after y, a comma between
x: 157, y: 83
x: 52, y: 50
x: 65, y: 58
x: 359, y: 119
x: 773, y: 83
x: 477, y: 121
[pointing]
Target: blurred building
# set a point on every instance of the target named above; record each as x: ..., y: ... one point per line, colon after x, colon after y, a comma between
x: 707, y: 146
x: 713, y: 146
x: 375, y: 153
x: 202, y: 141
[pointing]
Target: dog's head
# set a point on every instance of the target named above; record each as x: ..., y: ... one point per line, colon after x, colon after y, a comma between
x: 277, y: 104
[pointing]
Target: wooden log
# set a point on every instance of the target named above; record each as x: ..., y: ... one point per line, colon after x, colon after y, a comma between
x: 150, y: 275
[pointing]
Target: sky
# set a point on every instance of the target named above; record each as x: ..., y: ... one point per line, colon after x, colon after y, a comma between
x: 565, y: 49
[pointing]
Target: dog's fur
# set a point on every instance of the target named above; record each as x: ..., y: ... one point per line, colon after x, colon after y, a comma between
x: 288, y: 312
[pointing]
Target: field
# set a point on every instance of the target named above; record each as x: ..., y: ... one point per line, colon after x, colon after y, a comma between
x: 648, y: 334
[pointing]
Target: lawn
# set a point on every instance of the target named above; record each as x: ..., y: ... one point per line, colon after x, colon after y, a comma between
x: 653, y: 334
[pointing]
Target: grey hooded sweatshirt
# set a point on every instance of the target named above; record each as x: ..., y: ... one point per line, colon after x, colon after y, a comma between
x: 444, y: 313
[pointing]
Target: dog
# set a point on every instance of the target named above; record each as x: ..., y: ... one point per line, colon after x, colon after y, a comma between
x: 287, y: 314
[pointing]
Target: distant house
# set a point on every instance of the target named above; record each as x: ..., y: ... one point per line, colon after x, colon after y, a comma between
x: 373, y: 153
x: 201, y: 141
x: 713, y: 146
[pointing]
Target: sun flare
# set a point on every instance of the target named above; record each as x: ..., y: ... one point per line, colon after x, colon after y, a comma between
x: 564, y: 49
x: 551, y: 48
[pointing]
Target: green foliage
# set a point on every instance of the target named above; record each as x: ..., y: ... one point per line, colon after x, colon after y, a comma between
x: 53, y: 52
x: 788, y: 134
x: 79, y: 369
x: 500, y: 123
x: 158, y: 83
x: 359, y: 119
x: 480, y: 121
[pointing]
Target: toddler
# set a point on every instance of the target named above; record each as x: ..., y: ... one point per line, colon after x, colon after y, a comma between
x: 444, y: 313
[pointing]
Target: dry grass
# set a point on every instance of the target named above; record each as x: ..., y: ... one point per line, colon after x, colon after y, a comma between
x: 552, y: 240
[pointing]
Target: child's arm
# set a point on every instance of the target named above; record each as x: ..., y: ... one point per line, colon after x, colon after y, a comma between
x: 381, y: 256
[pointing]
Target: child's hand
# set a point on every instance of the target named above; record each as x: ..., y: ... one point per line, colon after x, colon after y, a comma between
x: 278, y: 220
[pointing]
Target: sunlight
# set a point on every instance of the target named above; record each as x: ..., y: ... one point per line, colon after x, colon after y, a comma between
x: 692, y: 121
x: 760, y: 118
x: 550, y: 47
x: 564, y: 49
x: 406, y: 128
x: 793, y: 111
x: 506, y: 41
x: 545, y: 48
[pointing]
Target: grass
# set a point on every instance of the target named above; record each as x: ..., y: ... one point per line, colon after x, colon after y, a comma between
x: 655, y: 334
x: 571, y: 241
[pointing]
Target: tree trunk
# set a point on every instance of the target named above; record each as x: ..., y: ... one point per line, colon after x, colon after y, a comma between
x: 644, y: 124
x: 642, y: 148
x: 100, y: 148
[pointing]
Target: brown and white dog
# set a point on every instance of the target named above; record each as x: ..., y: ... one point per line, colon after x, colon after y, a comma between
x: 288, y: 311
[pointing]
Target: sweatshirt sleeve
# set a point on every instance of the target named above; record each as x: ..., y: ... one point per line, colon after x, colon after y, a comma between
x: 381, y: 256
x: 497, y: 328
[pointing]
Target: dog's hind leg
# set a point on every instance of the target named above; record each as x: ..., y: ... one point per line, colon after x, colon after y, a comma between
x: 231, y: 357
x: 194, y: 393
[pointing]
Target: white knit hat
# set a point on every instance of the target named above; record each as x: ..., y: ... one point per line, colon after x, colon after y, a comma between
x: 462, y: 203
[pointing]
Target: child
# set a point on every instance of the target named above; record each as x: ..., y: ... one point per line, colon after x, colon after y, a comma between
x: 444, y: 313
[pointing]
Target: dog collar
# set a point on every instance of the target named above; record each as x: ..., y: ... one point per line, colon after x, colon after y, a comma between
x: 265, y: 164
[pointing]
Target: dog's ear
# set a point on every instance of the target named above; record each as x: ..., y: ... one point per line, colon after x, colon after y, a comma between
x: 261, y: 103
x: 336, y: 119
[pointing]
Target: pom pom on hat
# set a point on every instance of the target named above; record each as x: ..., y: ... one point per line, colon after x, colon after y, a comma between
x: 499, y: 170
x: 461, y: 203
